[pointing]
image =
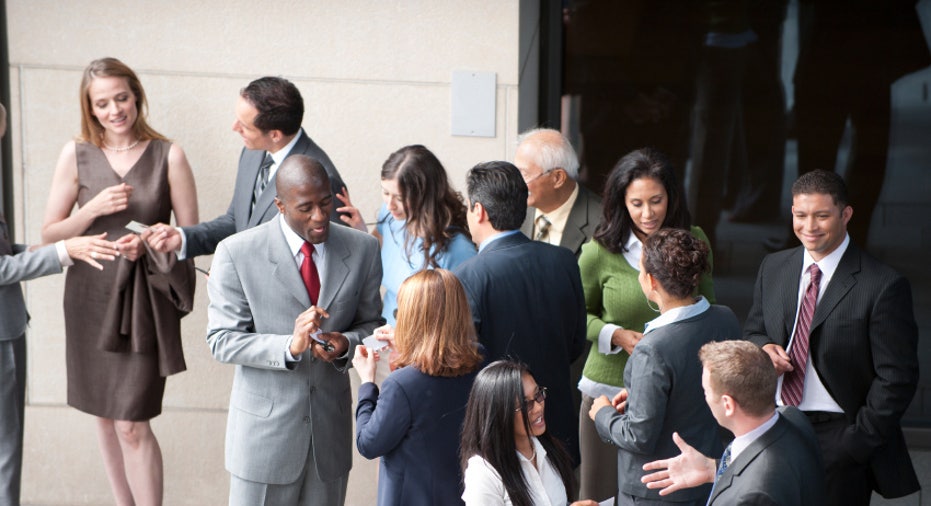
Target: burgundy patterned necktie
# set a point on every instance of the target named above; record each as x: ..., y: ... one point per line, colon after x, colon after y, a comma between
x: 309, y: 273
x: 793, y: 382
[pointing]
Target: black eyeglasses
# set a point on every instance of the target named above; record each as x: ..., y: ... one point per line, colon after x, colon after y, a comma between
x: 538, y: 397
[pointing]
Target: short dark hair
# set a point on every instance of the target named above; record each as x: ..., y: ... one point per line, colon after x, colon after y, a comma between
x: 743, y: 371
x: 501, y: 190
x: 615, y: 227
x: 821, y: 181
x: 279, y: 104
x: 676, y: 259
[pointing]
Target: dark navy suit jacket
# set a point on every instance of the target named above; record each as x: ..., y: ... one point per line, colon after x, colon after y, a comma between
x: 527, y: 304
x: 414, y: 424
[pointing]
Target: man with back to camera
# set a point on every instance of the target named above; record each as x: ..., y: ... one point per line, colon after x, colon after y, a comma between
x: 840, y: 329
x: 774, y: 458
x: 560, y: 211
x: 268, y: 118
x: 526, y: 296
x: 289, y: 301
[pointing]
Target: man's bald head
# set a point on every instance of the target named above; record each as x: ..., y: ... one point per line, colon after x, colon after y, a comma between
x: 300, y: 170
x: 305, y: 198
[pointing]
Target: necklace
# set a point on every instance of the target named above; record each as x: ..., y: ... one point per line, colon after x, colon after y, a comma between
x: 120, y: 150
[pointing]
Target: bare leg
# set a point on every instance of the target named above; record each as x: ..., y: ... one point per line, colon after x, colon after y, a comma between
x: 113, y: 462
x: 142, y: 459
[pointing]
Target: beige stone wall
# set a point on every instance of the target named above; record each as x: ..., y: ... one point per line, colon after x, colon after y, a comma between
x: 375, y: 76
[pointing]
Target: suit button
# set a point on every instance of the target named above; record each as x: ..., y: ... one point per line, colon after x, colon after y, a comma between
x: 313, y: 389
x: 306, y: 419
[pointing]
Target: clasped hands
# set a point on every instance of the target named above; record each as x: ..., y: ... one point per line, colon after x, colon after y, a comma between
x: 331, y: 345
x: 619, y: 403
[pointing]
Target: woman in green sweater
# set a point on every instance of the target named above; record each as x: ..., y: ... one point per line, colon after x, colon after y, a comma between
x: 641, y: 196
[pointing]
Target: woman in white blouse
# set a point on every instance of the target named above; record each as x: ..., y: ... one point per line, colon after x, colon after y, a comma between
x: 507, y: 456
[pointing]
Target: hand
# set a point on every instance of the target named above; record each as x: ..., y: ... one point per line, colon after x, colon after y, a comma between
x: 306, y: 324
x: 385, y: 333
x: 131, y: 247
x: 585, y: 502
x: 163, y: 238
x: 620, y: 401
x: 354, y: 218
x: 626, y: 339
x: 780, y: 359
x: 112, y: 199
x: 597, y: 404
x: 689, y: 469
x: 364, y: 362
x: 90, y: 248
x: 338, y: 343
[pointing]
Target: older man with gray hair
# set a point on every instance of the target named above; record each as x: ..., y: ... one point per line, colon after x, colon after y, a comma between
x: 560, y: 211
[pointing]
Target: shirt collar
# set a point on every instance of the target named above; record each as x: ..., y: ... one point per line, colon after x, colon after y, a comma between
x: 741, y: 443
x: 632, y: 251
x: 677, y: 314
x: 499, y: 235
x: 829, y: 263
x: 295, y: 241
x: 559, y: 215
x: 281, y: 154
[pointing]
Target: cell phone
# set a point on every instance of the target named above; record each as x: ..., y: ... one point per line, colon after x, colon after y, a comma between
x: 327, y: 347
x: 136, y: 227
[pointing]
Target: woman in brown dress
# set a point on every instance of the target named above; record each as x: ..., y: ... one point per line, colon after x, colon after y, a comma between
x: 122, y: 324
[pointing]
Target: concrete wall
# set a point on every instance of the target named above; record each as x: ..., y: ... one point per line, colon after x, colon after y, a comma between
x: 375, y: 76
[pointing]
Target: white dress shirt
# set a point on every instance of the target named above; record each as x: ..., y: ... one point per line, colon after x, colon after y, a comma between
x: 483, y: 485
x: 815, y: 396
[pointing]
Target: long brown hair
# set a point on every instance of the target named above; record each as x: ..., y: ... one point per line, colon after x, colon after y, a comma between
x: 435, y: 212
x: 91, y: 129
x: 434, y: 331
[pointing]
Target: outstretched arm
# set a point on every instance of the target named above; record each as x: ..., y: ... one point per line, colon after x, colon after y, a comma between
x: 686, y: 470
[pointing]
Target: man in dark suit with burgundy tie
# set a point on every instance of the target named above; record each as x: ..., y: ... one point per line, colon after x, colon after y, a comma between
x: 839, y: 327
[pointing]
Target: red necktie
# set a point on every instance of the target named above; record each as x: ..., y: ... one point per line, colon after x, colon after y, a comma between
x: 309, y: 273
x: 793, y: 382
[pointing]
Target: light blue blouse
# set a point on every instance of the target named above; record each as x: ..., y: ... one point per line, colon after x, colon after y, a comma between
x: 398, y: 265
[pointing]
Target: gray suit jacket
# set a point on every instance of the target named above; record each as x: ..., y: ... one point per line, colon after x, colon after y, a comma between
x: 580, y: 225
x: 663, y: 378
x: 276, y: 407
x: 782, y: 467
x: 18, y: 264
x: 202, y: 239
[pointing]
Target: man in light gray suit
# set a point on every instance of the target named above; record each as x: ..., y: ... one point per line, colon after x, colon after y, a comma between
x: 19, y: 263
x: 560, y: 211
x: 268, y: 118
x: 774, y: 459
x: 289, y: 434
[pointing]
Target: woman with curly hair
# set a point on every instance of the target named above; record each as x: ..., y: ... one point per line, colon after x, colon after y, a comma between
x: 663, y: 375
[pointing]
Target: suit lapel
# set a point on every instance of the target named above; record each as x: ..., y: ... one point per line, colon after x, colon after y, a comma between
x: 284, y: 268
x: 267, y: 199
x: 335, y: 267
x: 573, y: 235
x: 841, y: 282
x: 527, y: 226
x: 789, y: 292
x: 746, y: 457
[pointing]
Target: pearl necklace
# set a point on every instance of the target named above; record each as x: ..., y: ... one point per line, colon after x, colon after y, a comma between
x: 120, y: 150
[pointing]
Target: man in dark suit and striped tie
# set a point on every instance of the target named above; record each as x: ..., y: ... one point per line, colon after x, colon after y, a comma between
x: 839, y: 327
